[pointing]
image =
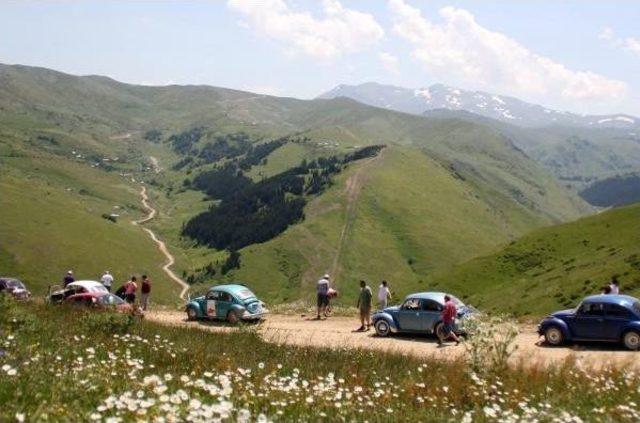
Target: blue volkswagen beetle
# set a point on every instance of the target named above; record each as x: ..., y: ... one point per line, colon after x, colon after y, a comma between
x: 419, y: 313
x: 227, y: 302
x: 608, y: 318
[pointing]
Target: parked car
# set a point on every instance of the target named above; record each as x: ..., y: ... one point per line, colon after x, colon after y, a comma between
x: 57, y: 294
x: 419, y: 313
x: 102, y: 301
x: 15, y: 288
x: 227, y: 302
x: 607, y: 318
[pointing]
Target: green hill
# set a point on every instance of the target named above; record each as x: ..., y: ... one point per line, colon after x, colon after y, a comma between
x: 444, y: 190
x: 553, y: 267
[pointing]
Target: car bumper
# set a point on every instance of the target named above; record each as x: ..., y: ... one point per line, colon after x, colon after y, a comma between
x: 254, y: 316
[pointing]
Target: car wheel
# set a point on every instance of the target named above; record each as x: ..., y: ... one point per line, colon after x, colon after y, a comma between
x: 382, y: 327
x: 192, y: 313
x: 232, y: 317
x: 439, y: 330
x: 631, y: 340
x: 553, y: 335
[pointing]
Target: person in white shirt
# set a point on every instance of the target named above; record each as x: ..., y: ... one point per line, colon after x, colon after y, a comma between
x: 615, y: 288
x: 384, y: 295
x: 323, y: 295
x: 107, y: 280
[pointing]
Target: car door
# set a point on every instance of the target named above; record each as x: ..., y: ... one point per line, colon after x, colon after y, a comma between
x: 225, y: 301
x: 212, y: 304
x: 589, y: 321
x: 616, y: 317
x: 409, y: 318
x: 431, y: 311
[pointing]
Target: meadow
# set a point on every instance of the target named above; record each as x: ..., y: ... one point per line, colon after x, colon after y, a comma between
x: 60, y: 364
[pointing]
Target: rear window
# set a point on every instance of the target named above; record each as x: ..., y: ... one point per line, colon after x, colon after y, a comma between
x: 110, y: 300
x: 243, y: 294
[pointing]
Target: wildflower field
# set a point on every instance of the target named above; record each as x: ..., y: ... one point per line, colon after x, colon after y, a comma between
x: 59, y: 364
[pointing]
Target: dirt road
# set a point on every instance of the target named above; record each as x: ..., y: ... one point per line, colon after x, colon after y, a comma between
x: 337, y: 332
x: 151, y: 213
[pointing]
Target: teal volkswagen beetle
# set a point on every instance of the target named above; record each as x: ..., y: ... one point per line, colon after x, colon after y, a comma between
x: 227, y: 302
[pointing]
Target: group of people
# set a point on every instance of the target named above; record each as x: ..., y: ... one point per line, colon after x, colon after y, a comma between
x: 325, y: 293
x: 364, y: 305
x: 127, y: 291
x: 613, y: 288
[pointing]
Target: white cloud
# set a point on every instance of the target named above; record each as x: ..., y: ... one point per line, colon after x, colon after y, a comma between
x: 459, y: 50
x: 630, y: 44
x: 339, y: 31
x: 389, y: 61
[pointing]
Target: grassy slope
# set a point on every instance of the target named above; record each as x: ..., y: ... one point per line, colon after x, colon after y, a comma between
x: 398, y: 235
x: 51, y: 222
x: 420, y: 224
x: 553, y: 267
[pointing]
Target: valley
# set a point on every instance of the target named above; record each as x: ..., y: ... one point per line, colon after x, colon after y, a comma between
x: 443, y: 190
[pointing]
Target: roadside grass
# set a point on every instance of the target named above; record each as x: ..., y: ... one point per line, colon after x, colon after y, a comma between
x: 63, y: 364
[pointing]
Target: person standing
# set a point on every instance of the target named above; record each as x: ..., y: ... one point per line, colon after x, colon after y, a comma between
x: 322, y: 288
x: 615, y: 288
x: 68, y: 278
x: 107, y: 280
x: 384, y: 295
x: 145, y: 291
x: 130, y: 289
x: 449, y: 314
x: 364, y: 306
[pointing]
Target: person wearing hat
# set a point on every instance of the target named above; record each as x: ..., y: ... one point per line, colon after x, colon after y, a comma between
x: 68, y: 278
x: 107, y: 280
x: 322, y: 288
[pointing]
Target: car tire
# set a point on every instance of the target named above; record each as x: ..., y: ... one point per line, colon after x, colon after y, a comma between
x: 553, y: 336
x: 382, y: 328
x: 232, y: 317
x: 438, y: 330
x: 631, y: 340
x: 192, y: 314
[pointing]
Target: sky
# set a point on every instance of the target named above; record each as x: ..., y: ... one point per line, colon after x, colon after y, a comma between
x: 581, y: 56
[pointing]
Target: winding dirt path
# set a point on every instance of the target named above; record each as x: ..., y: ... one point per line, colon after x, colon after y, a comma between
x: 161, y: 245
x: 338, y: 332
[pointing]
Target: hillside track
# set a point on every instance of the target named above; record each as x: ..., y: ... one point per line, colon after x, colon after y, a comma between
x: 352, y: 189
x: 151, y: 213
x: 339, y: 332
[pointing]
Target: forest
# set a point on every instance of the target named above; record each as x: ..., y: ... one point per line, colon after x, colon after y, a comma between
x: 254, y: 212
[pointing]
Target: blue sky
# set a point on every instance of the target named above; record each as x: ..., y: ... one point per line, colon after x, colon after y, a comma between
x: 581, y: 56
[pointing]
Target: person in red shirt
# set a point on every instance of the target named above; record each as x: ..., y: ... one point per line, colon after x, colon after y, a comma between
x: 449, y: 314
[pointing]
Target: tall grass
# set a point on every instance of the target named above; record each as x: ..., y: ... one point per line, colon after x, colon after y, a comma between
x: 62, y: 364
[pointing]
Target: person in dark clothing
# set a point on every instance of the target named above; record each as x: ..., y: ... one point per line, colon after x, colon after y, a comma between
x: 120, y: 292
x: 68, y: 278
x: 145, y: 291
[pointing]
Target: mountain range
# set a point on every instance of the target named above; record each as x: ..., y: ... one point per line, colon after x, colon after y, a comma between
x: 494, y: 106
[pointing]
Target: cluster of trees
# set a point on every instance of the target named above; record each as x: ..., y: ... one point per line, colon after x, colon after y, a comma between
x: 251, y: 213
x: 153, y: 135
x: 257, y: 154
x: 182, y: 143
x: 225, y: 146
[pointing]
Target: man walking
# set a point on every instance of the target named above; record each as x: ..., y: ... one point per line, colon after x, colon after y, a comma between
x: 364, y: 306
x: 449, y: 314
x: 384, y: 295
x: 107, y: 280
x: 145, y: 290
x: 322, y: 289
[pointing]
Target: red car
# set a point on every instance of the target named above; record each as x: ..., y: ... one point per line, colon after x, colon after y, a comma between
x: 102, y: 301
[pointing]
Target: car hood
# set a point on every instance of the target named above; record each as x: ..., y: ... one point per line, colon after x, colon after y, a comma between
x: 564, y: 313
x: 393, y: 309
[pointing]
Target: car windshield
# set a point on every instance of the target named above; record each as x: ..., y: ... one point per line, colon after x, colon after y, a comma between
x: 110, y: 300
x: 243, y: 294
x: 636, y: 307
